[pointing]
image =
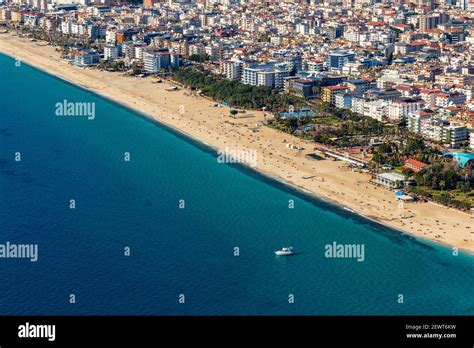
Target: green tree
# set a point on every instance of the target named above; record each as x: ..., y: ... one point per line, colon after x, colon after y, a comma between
x: 390, y: 58
x: 200, y: 58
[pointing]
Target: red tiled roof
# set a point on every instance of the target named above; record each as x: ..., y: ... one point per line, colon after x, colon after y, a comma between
x: 401, y: 25
x: 403, y: 88
x: 453, y: 108
x: 414, y: 165
x: 335, y: 88
x: 418, y: 43
x: 375, y: 24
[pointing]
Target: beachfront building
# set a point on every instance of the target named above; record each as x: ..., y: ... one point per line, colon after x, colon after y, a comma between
x: 389, y: 180
x: 85, y: 57
x: 232, y: 69
x: 139, y: 49
x: 31, y: 19
x: 156, y: 59
x: 133, y: 50
x: 267, y: 75
x: 111, y: 52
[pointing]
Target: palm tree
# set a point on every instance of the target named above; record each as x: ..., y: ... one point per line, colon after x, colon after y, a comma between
x: 442, y: 185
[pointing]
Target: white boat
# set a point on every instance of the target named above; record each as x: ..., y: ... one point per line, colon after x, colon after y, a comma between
x: 284, y: 251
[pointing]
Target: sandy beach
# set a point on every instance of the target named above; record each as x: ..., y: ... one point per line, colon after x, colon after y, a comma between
x: 198, y: 118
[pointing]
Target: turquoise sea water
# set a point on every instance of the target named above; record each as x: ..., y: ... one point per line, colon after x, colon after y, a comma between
x: 183, y: 251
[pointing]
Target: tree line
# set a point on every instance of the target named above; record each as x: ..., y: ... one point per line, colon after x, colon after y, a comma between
x: 235, y: 93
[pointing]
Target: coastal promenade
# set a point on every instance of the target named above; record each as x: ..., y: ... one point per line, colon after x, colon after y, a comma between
x: 201, y: 120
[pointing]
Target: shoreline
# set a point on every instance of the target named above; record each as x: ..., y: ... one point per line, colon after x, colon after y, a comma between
x: 273, y: 176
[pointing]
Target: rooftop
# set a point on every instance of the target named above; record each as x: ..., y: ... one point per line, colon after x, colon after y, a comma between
x: 392, y: 176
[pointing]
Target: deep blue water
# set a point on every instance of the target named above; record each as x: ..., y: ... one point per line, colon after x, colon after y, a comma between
x: 182, y: 251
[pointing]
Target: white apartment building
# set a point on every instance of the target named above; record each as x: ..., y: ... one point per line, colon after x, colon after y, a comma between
x: 31, y: 19
x: 352, y: 68
x: 302, y: 28
x: 110, y: 52
x: 390, y: 78
x: 66, y: 27
x: 156, y: 59
x: 212, y: 52
x: 276, y: 40
x: 433, y: 129
x: 471, y: 140
x: 449, y: 99
x: 197, y: 49
x: 454, y: 135
x: 232, y: 69
x: 416, y: 119
x: 377, y: 109
x: 429, y: 96
x: 111, y: 36
x: 78, y: 29
x: 468, y: 93
x: 48, y: 23
x: 265, y: 75
x: 139, y: 47
x: 358, y: 105
x: 248, y: 23
x: 314, y: 65
x: 399, y: 109
x: 386, y: 38
x: 352, y: 35
x: 282, y: 29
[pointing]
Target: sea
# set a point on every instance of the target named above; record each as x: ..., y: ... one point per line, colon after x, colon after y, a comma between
x: 133, y: 218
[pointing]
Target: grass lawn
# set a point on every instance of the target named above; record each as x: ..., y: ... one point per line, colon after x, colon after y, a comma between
x: 327, y: 121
